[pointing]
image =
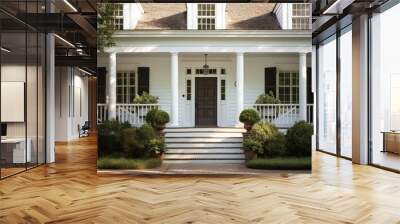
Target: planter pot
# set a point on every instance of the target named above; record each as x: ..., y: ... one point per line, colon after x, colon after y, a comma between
x: 250, y: 155
x: 161, y: 156
x: 248, y: 126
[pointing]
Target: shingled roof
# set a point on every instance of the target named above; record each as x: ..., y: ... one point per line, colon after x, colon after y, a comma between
x: 239, y: 16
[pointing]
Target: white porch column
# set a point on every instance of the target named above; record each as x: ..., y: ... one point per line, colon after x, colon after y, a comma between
x: 239, y: 85
x: 303, y: 86
x: 112, y: 86
x: 174, y: 90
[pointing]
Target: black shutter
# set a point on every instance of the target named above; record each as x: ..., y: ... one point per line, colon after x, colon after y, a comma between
x: 270, y: 80
x: 101, y: 84
x: 143, y: 80
x: 310, y: 95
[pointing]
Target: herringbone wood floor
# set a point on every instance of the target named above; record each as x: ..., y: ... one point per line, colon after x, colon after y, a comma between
x: 69, y: 191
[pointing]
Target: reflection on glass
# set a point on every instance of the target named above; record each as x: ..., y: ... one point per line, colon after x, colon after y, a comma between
x: 327, y: 95
x: 14, y: 153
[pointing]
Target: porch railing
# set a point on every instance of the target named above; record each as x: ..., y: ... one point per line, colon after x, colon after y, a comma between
x: 282, y: 115
x: 135, y: 114
x: 102, y: 112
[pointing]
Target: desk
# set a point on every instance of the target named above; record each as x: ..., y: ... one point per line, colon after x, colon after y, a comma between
x: 13, y: 150
x: 391, y: 141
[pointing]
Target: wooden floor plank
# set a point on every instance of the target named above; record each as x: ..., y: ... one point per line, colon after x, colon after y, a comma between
x: 69, y: 191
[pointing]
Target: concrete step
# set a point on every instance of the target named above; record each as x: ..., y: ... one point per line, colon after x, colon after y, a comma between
x: 208, y: 130
x: 201, y: 140
x: 203, y: 134
x: 205, y: 161
x: 206, y: 151
x: 204, y: 156
x: 204, y: 145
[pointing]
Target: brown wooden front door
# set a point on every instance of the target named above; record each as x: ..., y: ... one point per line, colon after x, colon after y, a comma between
x: 206, y: 101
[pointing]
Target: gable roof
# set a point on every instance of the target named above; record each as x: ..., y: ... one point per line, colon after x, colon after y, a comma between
x: 238, y: 16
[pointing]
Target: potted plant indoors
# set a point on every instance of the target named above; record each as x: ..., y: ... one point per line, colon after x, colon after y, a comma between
x: 249, y: 117
x: 251, y: 149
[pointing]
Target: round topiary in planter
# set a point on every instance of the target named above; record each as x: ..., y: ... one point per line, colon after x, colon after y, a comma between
x: 251, y: 149
x: 249, y: 117
x: 160, y: 119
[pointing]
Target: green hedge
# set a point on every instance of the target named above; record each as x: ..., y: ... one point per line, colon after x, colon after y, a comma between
x: 123, y: 163
x: 281, y: 163
x: 122, y: 140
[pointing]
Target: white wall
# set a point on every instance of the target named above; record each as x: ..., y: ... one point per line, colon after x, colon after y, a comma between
x: 71, y: 87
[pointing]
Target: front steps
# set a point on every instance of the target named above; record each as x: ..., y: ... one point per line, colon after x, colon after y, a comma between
x: 204, y: 145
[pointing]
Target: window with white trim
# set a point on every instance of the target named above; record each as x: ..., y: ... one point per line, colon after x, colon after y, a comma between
x: 301, y: 16
x: 119, y: 17
x: 288, y: 87
x: 206, y: 16
x: 126, y: 87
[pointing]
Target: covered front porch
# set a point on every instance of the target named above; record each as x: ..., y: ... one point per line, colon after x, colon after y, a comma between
x: 214, y: 97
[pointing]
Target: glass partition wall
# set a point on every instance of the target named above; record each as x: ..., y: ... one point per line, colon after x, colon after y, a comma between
x: 22, y: 88
x: 385, y: 89
x: 334, y: 59
x: 327, y: 95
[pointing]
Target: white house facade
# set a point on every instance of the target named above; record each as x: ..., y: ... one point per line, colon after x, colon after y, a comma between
x: 208, y: 62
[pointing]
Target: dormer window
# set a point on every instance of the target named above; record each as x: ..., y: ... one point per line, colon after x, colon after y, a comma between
x: 119, y: 17
x: 206, y: 16
x: 301, y: 16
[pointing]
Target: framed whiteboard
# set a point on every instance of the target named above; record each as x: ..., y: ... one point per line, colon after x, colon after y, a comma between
x: 12, y: 101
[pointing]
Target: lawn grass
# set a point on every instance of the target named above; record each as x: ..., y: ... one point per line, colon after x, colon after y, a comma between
x: 281, y: 163
x: 123, y: 163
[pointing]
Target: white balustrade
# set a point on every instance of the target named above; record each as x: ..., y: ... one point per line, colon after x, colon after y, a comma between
x: 135, y: 114
x: 102, y: 112
x: 282, y: 115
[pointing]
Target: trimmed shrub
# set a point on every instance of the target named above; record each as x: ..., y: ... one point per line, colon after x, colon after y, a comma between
x: 128, y: 141
x: 276, y: 146
x: 253, y: 145
x: 249, y: 116
x: 145, y: 98
x: 299, y: 139
x: 150, y: 116
x: 263, y: 132
x: 268, y: 98
x: 109, y: 137
x: 161, y: 117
